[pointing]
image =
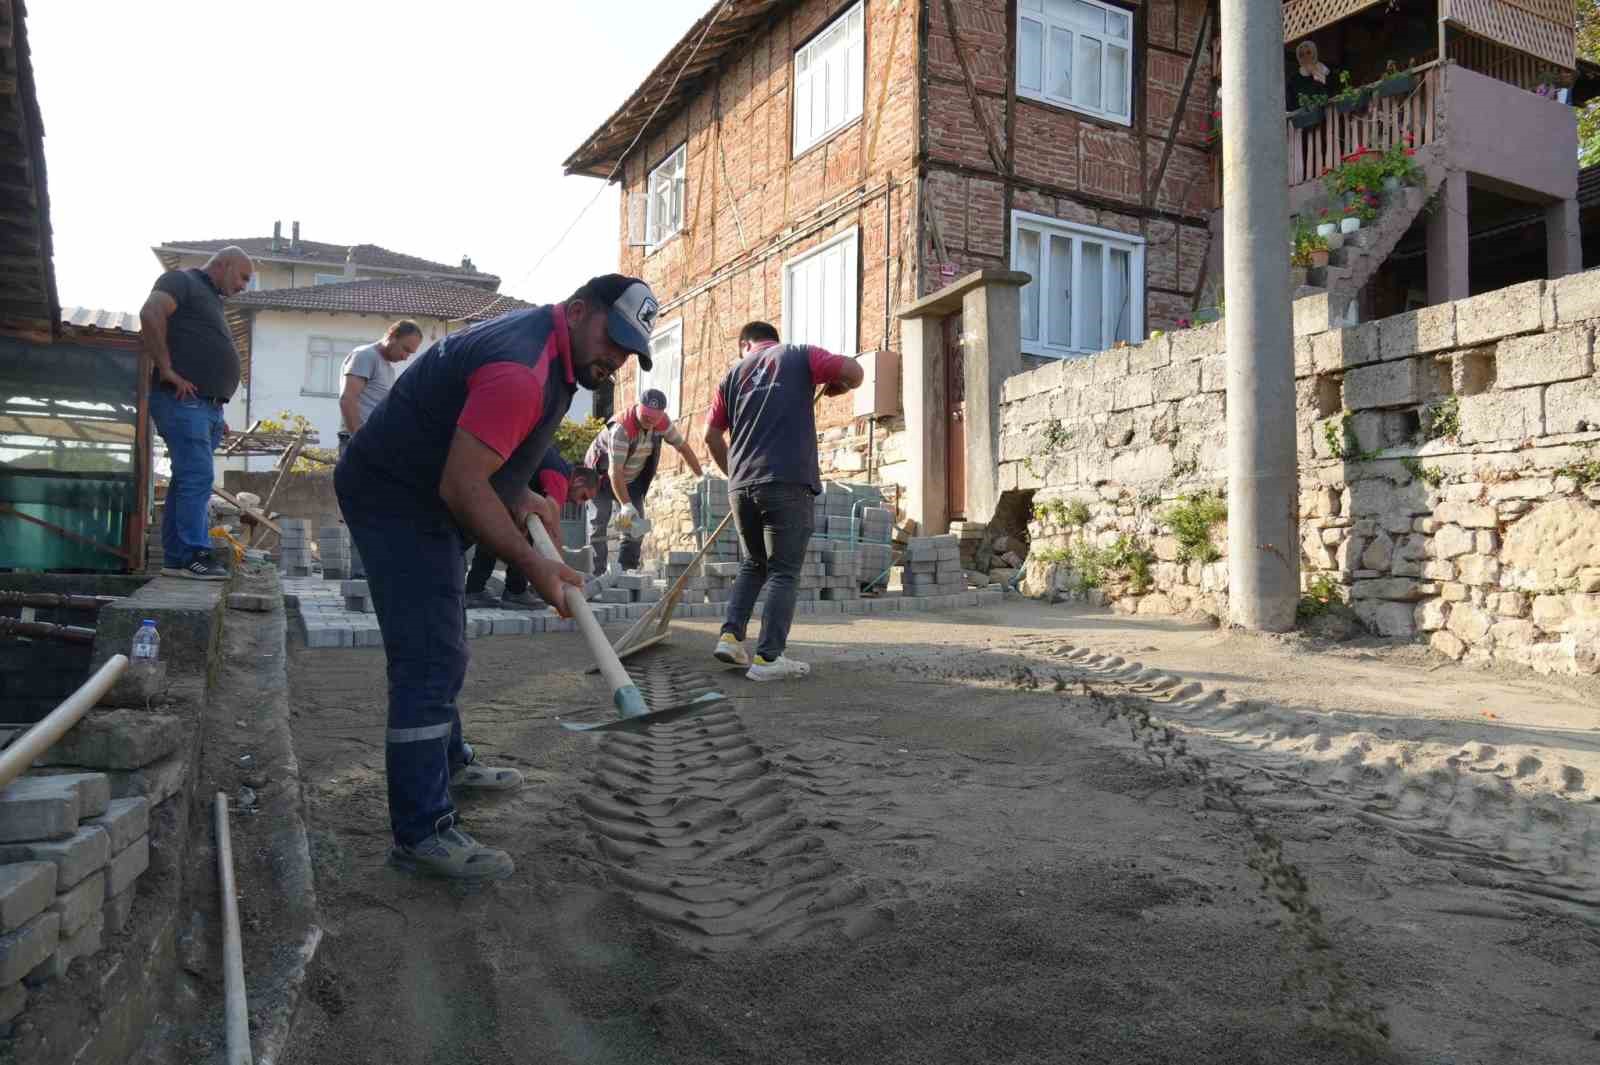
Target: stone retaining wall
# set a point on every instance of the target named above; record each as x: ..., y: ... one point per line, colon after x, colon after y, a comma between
x: 1449, y: 471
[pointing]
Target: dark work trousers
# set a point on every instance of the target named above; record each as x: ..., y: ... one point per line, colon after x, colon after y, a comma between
x: 774, y: 523
x: 600, y: 508
x: 483, y: 563
x: 357, y: 570
x: 414, y: 575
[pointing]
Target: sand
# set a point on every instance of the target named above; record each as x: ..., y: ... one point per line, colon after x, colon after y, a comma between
x: 927, y: 853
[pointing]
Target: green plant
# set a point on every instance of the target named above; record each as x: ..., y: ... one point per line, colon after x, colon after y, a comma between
x: 1397, y: 162
x: 1133, y: 558
x: 1075, y: 513
x: 1090, y: 563
x: 1428, y: 475
x: 1348, y: 93
x: 1585, y: 471
x: 573, y: 437
x: 1306, y: 241
x: 1441, y: 418
x: 1309, y: 102
x: 1342, y: 440
x: 1190, y: 520
x: 1322, y: 593
x: 1056, y: 435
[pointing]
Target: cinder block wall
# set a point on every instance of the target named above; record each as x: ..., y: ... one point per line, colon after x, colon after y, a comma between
x: 1483, y: 539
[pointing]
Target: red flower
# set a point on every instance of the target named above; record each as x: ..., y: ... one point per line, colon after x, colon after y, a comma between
x: 1324, y: 212
x: 1411, y: 151
x: 1372, y: 201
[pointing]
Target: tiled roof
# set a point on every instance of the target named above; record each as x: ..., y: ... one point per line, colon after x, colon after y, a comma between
x: 105, y: 321
x: 419, y: 296
x: 324, y: 254
x: 28, y: 303
x: 733, y: 24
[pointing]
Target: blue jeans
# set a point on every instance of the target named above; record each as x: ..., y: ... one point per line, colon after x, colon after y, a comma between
x: 774, y: 523
x: 600, y: 516
x: 415, y: 576
x: 192, y: 429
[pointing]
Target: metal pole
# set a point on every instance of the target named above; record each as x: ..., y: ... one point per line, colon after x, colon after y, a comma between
x: 15, y: 759
x: 237, y: 1011
x: 1263, y: 544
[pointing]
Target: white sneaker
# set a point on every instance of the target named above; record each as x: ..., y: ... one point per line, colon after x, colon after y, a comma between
x: 781, y: 668
x: 731, y: 651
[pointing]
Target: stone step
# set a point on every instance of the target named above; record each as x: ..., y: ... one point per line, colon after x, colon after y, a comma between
x: 75, y: 857
x: 50, y: 807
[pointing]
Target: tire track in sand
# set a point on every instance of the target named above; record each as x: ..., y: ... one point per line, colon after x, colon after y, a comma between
x: 699, y: 828
x: 1503, y: 818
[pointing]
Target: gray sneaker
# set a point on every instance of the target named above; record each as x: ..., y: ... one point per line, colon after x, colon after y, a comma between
x: 454, y: 855
x: 524, y: 600
x: 200, y: 567
x: 482, y: 601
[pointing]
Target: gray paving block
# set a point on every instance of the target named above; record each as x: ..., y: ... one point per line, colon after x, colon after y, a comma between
x: 13, y: 1000
x: 126, y: 867
x: 156, y: 782
x: 22, y: 951
x: 260, y: 604
x: 125, y: 820
x: 327, y: 636
x: 368, y: 637
x: 38, y: 808
x: 77, y: 905
x: 75, y: 857
x: 117, y: 910
x: 116, y: 739
x: 84, y: 943
x: 26, y: 891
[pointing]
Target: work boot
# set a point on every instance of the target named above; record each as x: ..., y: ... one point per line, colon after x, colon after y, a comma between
x: 454, y: 855
x: 731, y: 651
x: 482, y: 601
x: 780, y: 668
x: 523, y: 600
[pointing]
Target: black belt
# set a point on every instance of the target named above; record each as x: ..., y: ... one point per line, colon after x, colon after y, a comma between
x: 213, y: 400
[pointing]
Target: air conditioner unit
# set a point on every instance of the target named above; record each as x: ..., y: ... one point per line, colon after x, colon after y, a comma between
x: 879, y: 394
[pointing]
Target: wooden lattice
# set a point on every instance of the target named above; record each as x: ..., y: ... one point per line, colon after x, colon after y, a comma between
x: 1499, y: 62
x: 1301, y: 17
x: 1561, y: 12
x: 1498, y: 21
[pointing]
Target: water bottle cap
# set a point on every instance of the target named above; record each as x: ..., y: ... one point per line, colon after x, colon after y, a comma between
x: 151, y: 622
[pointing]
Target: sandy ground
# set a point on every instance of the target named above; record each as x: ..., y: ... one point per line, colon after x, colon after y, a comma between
x: 936, y: 850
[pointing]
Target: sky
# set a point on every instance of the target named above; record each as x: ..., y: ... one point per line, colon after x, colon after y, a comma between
x: 433, y: 129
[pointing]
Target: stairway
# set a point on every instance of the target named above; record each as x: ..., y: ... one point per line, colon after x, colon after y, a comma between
x: 1364, y: 251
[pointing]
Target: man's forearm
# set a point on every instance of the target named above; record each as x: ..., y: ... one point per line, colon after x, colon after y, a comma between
x: 350, y: 408
x: 153, y: 332
x: 691, y: 458
x: 718, y: 446
x: 619, y: 487
x: 477, y: 507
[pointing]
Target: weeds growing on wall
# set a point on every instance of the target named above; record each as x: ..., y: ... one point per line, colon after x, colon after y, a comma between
x: 1069, y: 513
x: 1441, y: 419
x: 1322, y: 593
x: 1343, y: 442
x: 1585, y: 471
x: 1056, y: 438
x: 1428, y: 475
x: 1190, y: 520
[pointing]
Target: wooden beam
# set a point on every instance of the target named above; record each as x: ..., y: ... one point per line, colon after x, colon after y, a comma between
x: 254, y: 514
x: 10, y: 511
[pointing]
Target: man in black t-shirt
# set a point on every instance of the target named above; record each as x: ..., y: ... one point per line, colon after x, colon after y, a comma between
x: 195, y: 371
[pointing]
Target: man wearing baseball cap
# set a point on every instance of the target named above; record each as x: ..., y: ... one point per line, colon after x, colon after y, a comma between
x: 627, y: 452
x: 445, y: 461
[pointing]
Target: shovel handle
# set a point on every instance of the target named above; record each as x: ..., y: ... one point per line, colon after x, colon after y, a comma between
x: 610, y: 665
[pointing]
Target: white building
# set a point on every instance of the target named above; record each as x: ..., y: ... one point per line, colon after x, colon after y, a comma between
x: 311, y: 302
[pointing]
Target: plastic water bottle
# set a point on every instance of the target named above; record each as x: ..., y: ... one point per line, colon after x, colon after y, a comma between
x: 147, y: 643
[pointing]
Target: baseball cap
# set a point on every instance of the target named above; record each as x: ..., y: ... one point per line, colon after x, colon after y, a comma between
x: 654, y: 398
x: 632, y: 315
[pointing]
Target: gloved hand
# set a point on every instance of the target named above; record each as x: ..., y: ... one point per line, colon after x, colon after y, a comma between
x: 626, y: 517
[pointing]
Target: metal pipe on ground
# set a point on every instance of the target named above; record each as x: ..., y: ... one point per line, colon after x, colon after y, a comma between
x: 15, y: 759
x: 53, y: 599
x: 45, y: 630
x: 237, y: 1016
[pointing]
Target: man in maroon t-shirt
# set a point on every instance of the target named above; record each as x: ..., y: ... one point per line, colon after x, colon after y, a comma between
x: 766, y: 401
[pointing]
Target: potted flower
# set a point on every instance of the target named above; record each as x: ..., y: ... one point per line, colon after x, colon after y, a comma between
x: 1351, y: 99
x: 1399, y: 168
x: 1350, y: 221
x: 1395, y: 82
x: 1313, y: 109
x: 1326, y: 226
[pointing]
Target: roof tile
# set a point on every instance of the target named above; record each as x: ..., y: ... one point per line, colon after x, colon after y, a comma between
x: 420, y: 296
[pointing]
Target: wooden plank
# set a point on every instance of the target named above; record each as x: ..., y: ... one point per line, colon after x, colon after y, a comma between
x: 7, y: 509
x: 233, y: 445
x: 255, y: 515
x: 284, y: 466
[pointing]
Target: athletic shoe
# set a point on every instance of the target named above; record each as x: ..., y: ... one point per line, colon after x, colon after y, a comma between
x: 731, y: 651
x: 454, y: 855
x: 780, y: 668
x: 482, y: 601
x: 200, y: 567
x: 523, y: 600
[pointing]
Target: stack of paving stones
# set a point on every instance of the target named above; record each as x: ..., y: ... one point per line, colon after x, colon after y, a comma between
x: 327, y: 621
x: 708, y: 507
x: 357, y: 598
x: 333, y: 548
x: 933, y: 566
x: 294, y: 553
x: 875, y: 547
x: 70, y: 857
x: 969, y: 536
x: 841, y: 573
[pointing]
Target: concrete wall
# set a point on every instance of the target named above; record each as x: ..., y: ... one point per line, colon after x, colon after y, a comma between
x: 1061, y: 163
x: 1510, y: 135
x: 1484, y: 541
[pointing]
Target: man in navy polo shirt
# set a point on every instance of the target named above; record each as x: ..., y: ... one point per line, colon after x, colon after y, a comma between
x: 446, y: 460
x: 765, y: 402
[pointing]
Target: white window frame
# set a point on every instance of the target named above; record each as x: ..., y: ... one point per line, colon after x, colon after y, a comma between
x: 1079, y: 234
x: 667, y: 371
x: 796, y: 332
x: 327, y: 279
x: 829, y: 69
x: 672, y: 172
x: 339, y: 347
x: 1052, y: 30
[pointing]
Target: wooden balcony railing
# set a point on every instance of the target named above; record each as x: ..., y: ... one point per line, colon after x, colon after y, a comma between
x: 1411, y: 119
